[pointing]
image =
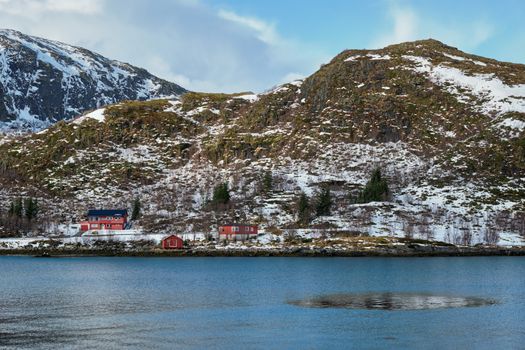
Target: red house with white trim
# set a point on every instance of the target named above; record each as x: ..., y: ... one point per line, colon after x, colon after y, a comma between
x: 172, y: 242
x: 237, y: 232
x: 105, y: 219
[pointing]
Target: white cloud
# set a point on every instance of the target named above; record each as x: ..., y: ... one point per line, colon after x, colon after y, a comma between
x: 405, y: 27
x: 34, y: 8
x: 78, y: 6
x: 264, y: 31
x: 407, y: 24
x: 481, y: 32
x: 186, y: 41
x: 291, y: 77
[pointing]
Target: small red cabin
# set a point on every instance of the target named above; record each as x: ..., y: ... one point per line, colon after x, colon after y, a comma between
x: 172, y: 242
x: 112, y: 219
x: 237, y: 231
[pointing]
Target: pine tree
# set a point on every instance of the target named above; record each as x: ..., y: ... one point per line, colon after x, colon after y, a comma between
x: 221, y: 194
x: 35, y: 208
x: 18, y: 208
x: 303, y: 209
x: 11, y: 211
x: 267, y: 182
x: 28, y: 205
x: 137, y: 206
x: 376, y: 189
x: 31, y: 208
x: 324, y: 202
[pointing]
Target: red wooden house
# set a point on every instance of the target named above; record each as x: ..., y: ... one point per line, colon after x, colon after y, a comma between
x: 237, y: 232
x: 105, y: 219
x: 172, y: 242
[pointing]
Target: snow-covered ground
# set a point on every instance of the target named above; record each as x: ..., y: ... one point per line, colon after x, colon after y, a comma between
x: 496, y: 96
x: 21, y: 242
x: 177, y: 192
x: 97, y: 115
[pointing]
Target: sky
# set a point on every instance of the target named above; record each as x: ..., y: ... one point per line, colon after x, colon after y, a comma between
x: 253, y: 45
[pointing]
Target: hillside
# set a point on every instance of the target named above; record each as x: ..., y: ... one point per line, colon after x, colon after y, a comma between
x: 446, y: 129
x: 44, y: 81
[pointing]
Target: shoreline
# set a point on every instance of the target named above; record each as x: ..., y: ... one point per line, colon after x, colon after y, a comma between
x: 290, y: 252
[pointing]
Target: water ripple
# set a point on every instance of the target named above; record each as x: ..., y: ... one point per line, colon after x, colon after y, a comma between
x: 392, y: 301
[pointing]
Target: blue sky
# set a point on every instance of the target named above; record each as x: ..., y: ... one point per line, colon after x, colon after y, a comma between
x: 491, y: 28
x: 240, y: 45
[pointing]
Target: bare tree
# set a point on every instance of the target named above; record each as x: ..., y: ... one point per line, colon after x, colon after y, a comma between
x: 425, y: 230
x: 519, y: 223
x: 408, y: 229
x: 456, y: 236
x: 466, y: 233
x: 448, y: 235
x: 491, y: 235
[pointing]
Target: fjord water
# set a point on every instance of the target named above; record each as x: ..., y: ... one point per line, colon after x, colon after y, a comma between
x: 251, y: 303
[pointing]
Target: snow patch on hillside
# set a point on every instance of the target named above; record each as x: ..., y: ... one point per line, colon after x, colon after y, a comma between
x: 511, y: 127
x: 248, y: 97
x: 25, y: 121
x: 97, y: 115
x: 454, y: 57
x: 139, y: 154
x: 495, y: 97
x: 513, y: 124
x: 372, y: 57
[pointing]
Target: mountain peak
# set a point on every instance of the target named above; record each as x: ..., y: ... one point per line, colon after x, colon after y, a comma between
x: 44, y: 81
x: 428, y: 43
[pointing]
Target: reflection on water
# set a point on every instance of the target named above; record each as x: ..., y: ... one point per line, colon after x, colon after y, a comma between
x: 242, y: 303
x: 24, y: 336
x: 392, y: 301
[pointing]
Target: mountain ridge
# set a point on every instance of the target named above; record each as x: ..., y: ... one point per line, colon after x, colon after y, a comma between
x: 43, y: 81
x: 446, y: 129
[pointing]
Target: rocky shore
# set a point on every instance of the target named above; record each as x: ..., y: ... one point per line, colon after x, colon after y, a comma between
x: 404, y: 251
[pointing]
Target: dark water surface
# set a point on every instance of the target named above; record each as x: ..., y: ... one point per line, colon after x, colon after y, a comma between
x: 261, y: 303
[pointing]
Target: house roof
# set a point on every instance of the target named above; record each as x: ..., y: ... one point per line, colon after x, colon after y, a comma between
x: 237, y: 225
x: 170, y: 236
x: 107, y: 212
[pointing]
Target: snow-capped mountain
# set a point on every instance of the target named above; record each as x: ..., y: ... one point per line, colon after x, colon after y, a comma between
x: 44, y: 81
x: 446, y: 128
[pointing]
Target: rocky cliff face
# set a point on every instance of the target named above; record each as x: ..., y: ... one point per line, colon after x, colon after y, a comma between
x: 446, y: 128
x: 44, y: 81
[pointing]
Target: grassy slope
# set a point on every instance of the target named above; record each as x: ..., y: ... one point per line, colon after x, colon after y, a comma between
x: 365, y: 101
